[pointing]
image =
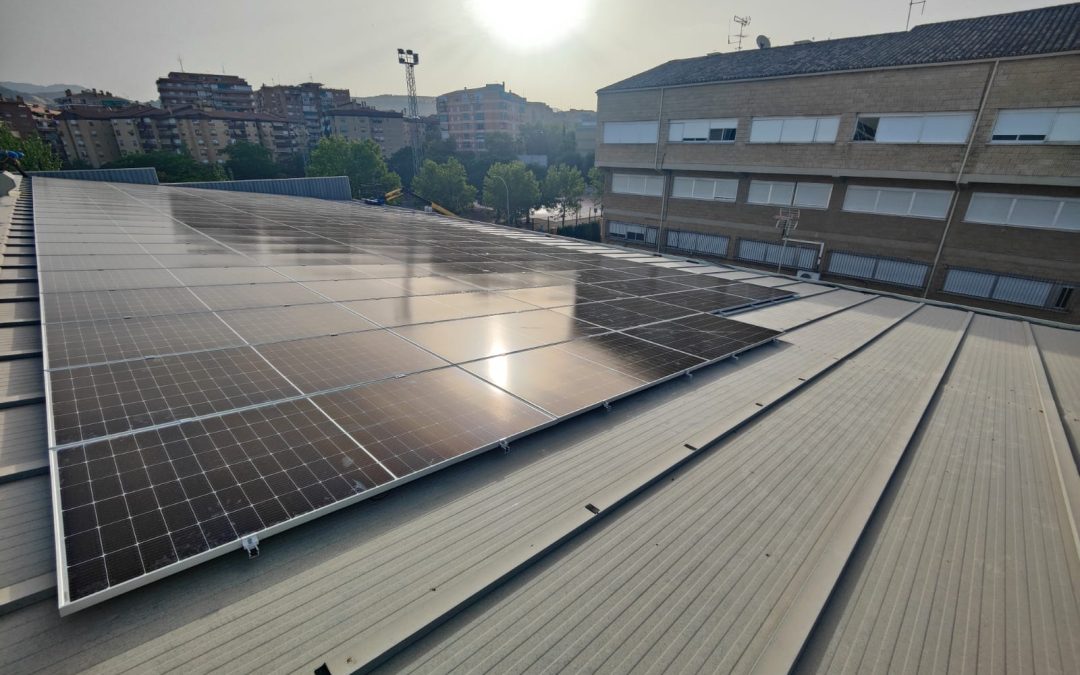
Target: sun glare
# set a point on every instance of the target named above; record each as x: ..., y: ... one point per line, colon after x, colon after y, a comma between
x: 528, y: 25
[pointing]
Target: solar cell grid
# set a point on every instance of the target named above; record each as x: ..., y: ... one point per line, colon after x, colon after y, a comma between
x: 460, y: 414
x: 272, y: 324
x: 140, y: 502
x: 185, y: 437
x: 91, y: 305
x: 87, y: 342
x: 322, y: 363
x: 110, y: 399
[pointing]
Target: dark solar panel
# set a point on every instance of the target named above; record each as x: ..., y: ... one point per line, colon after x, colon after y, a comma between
x: 459, y: 414
x: 292, y: 358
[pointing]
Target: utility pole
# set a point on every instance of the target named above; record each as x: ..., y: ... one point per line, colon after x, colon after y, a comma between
x: 410, y: 60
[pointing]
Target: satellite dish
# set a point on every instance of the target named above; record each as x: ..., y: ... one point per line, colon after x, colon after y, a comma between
x: 763, y: 42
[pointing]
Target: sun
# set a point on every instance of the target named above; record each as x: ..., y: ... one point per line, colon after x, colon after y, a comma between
x: 529, y: 25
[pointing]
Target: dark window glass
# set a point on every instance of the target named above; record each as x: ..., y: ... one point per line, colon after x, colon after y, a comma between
x: 866, y: 128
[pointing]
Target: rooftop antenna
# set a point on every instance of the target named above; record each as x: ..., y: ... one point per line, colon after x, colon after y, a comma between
x: 181, y: 60
x: 912, y: 3
x: 410, y: 60
x: 786, y: 221
x: 736, y: 37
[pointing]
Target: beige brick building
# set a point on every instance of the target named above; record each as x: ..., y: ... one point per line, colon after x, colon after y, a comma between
x: 360, y: 123
x: 943, y: 161
x: 468, y: 115
x: 306, y: 104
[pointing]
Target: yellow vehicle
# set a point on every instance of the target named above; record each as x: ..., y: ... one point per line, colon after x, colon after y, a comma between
x: 394, y: 194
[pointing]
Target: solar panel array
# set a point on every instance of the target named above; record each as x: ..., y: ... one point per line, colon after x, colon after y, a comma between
x: 221, y: 364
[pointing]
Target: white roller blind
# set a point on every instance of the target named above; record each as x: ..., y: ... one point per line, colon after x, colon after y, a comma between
x: 946, y: 128
x: 860, y: 198
x: 900, y: 129
x: 813, y: 195
x: 827, y: 128
x: 630, y: 132
x: 1066, y: 127
x: 1023, y: 122
x: 765, y: 131
x: 1049, y: 212
x: 798, y: 130
x: 683, y: 187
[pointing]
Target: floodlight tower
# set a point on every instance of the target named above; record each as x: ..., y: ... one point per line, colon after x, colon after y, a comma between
x: 410, y: 60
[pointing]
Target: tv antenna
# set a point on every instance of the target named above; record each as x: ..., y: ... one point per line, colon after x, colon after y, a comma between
x: 180, y: 59
x: 786, y: 221
x: 912, y: 3
x: 735, y: 37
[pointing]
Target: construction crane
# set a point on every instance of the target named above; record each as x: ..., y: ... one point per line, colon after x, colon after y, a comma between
x: 410, y: 60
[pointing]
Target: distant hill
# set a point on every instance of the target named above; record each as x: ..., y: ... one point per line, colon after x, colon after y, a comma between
x: 40, y: 89
x: 397, y: 103
x: 37, y: 93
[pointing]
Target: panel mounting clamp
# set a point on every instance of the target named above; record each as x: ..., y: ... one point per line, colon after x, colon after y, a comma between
x: 251, y: 545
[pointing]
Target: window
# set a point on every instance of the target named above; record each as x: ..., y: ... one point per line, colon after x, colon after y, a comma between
x: 702, y: 131
x: 630, y: 132
x: 1050, y: 212
x: 637, y: 184
x: 877, y: 268
x: 942, y: 128
x: 1052, y: 125
x: 809, y: 195
x: 698, y: 242
x: 723, y: 189
x: 645, y: 234
x: 794, y: 129
x: 1006, y: 288
x: 790, y: 255
x: 897, y: 201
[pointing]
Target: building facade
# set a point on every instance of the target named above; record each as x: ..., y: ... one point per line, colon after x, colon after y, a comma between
x: 360, y: 123
x: 206, y: 90
x: 306, y: 104
x: 91, y: 98
x: 98, y: 136
x: 468, y: 115
x: 942, y: 162
x: 18, y: 117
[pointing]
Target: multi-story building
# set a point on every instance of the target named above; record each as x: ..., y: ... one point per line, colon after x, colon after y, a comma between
x: 205, y: 90
x: 941, y: 162
x: 468, y: 115
x: 360, y: 123
x: 18, y: 117
x: 305, y: 104
x: 98, y: 136
x: 91, y: 98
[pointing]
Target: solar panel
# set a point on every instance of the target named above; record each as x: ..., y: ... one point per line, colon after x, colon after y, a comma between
x: 272, y: 364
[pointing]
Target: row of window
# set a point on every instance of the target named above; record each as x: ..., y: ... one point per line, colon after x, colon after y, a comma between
x: 1056, y: 213
x: 882, y: 269
x: 1048, y: 125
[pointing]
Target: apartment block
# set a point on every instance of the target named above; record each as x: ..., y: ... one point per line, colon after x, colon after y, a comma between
x: 360, y: 123
x: 468, y: 115
x: 206, y: 90
x: 98, y: 136
x: 306, y: 104
x: 942, y: 162
x: 91, y: 98
x: 17, y: 116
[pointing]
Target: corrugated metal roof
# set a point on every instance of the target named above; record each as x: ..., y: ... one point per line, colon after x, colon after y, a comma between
x: 785, y: 452
x: 1047, y: 30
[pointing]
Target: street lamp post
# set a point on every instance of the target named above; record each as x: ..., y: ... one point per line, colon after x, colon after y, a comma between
x: 507, y: 188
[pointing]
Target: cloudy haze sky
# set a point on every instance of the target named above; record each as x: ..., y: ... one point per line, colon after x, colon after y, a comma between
x: 125, y: 45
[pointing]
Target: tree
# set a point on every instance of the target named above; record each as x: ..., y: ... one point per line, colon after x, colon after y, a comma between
x: 563, y: 188
x: 500, y: 147
x: 171, y: 167
x: 247, y: 161
x: 401, y: 163
x: 291, y: 166
x: 521, y: 189
x: 445, y: 184
x: 596, y: 183
x: 361, y: 162
x: 38, y: 156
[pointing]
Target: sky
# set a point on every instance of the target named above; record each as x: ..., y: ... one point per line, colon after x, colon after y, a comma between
x: 556, y: 51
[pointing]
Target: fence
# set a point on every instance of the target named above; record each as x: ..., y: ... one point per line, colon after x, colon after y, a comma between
x: 329, y: 187
x: 140, y: 175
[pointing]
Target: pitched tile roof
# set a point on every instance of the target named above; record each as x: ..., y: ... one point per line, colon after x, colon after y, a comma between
x: 1040, y: 31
